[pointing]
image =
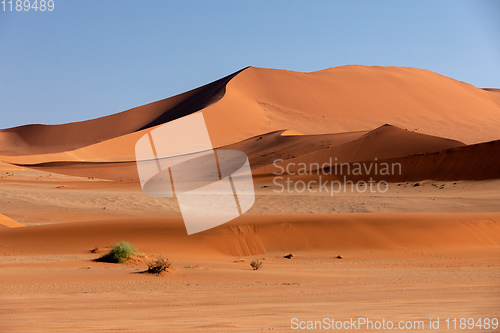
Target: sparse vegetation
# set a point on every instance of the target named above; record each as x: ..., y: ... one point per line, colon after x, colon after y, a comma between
x: 120, y: 252
x: 256, y: 264
x: 159, y: 265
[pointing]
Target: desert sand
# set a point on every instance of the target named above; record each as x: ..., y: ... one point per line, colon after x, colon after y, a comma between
x: 428, y: 246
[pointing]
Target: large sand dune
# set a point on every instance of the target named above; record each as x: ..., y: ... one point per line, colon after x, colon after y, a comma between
x: 256, y: 101
x: 420, y: 156
x: 249, y: 235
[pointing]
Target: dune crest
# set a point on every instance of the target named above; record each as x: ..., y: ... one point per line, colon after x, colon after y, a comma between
x: 256, y: 100
x: 352, y: 98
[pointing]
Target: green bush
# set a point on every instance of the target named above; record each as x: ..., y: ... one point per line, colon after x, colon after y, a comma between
x: 119, y: 253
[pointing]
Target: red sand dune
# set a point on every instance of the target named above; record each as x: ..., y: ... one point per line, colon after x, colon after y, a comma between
x: 421, y: 156
x: 249, y: 235
x: 412, y: 264
x: 39, y: 139
x: 352, y: 98
x: 340, y: 113
x: 10, y: 223
x: 474, y: 162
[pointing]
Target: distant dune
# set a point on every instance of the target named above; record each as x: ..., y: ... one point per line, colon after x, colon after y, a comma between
x: 346, y: 114
x: 384, y: 142
x: 425, y: 245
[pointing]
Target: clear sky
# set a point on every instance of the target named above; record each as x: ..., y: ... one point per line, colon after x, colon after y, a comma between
x: 88, y: 59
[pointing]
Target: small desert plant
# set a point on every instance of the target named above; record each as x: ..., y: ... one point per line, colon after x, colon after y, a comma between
x: 158, y: 266
x: 119, y: 253
x: 256, y: 264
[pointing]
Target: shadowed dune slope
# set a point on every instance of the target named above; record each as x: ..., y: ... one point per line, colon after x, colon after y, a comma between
x: 9, y: 223
x: 494, y: 94
x: 350, y: 99
x: 473, y: 162
x: 263, y: 149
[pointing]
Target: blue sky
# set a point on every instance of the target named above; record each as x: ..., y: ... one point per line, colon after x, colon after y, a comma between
x: 88, y: 59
